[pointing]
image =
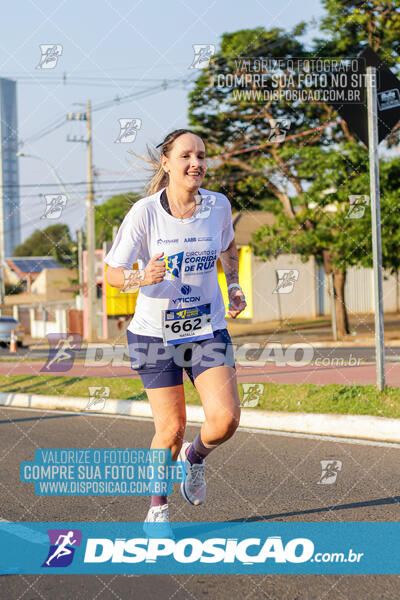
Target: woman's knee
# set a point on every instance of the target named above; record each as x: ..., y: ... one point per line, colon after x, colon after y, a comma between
x: 231, y: 425
x: 224, y: 428
x: 172, y: 433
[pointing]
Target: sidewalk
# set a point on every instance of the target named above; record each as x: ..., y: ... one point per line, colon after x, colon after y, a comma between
x: 254, y: 372
x: 317, y: 332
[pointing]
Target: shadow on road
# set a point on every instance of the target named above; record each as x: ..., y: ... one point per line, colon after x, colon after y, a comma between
x: 378, y: 502
x: 38, y: 418
x: 27, y: 378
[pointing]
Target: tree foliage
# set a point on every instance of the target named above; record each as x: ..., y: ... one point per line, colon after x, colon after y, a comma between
x: 295, y: 179
x: 111, y: 213
x: 54, y: 241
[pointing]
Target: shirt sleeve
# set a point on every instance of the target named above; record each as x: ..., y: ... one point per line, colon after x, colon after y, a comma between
x: 227, y: 230
x: 128, y: 244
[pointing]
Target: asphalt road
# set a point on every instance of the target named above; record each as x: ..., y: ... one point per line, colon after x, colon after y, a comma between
x: 254, y: 476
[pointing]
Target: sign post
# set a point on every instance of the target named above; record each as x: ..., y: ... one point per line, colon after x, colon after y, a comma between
x: 372, y: 108
x: 372, y: 121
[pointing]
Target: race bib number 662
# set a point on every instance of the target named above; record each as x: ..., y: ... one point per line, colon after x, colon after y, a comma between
x: 186, y: 324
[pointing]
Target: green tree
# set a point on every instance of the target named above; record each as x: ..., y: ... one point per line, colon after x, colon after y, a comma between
x: 233, y: 124
x: 53, y: 241
x: 338, y: 234
x: 292, y: 179
x: 111, y: 213
x: 253, y: 170
x: 351, y: 24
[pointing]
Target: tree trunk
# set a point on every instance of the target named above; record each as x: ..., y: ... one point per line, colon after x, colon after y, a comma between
x: 339, y: 280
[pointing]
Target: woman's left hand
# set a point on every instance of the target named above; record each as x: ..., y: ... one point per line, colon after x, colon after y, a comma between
x: 237, y: 302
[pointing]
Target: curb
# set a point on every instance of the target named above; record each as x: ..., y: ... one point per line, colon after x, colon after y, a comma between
x: 363, y: 427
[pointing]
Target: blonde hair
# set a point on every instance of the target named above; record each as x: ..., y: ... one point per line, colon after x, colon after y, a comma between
x: 159, y: 178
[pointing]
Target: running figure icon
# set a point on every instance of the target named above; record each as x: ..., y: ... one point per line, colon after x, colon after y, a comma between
x: 62, y: 353
x: 62, y: 549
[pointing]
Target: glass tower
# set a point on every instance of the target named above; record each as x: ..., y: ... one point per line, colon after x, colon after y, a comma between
x: 10, y: 226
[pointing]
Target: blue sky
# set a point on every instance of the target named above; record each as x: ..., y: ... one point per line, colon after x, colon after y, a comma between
x: 128, y: 47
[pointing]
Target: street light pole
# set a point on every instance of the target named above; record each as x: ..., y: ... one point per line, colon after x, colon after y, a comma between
x: 52, y: 169
x: 90, y: 263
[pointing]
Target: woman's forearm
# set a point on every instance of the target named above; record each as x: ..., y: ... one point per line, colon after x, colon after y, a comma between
x: 230, y: 263
x: 124, y: 279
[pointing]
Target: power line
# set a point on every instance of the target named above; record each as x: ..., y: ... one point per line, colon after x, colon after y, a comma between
x: 164, y: 85
x: 111, y: 181
x: 67, y: 80
x: 99, y: 193
x: 49, y: 129
x: 33, y: 224
x: 141, y: 94
x: 107, y: 69
x: 66, y: 211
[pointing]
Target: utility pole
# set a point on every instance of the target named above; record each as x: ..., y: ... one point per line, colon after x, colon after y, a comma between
x: 1, y: 281
x: 80, y: 264
x: 90, y: 235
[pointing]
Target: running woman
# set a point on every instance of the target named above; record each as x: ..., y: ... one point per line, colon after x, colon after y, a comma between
x: 176, y: 234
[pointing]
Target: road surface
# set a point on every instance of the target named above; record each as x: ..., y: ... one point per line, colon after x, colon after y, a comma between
x: 254, y: 476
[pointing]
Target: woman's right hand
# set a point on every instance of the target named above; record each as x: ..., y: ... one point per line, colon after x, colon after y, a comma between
x: 155, y: 270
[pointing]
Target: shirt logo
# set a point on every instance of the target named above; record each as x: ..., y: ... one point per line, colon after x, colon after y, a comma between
x: 191, y: 239
x: 161, y: 241
x: 186, y: 299
x: 62, y: 547
x: 200, y: 261
x: 173, y: 264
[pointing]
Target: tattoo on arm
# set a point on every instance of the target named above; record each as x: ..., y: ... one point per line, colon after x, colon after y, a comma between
x: 230, y: 263
x: 232, y: 277
x: 132, y: 279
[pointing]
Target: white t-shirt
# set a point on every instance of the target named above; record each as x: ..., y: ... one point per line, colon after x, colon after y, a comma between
x: 192, y: 247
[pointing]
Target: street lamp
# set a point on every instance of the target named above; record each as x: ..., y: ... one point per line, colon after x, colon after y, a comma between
x: 60, y: 181
x: 52, y: 169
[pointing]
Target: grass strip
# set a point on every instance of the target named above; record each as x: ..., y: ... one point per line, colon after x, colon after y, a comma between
x: 337, y: 399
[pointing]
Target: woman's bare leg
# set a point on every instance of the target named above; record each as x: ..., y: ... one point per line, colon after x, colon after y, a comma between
x: 221, y: 403
x: 169, y: 414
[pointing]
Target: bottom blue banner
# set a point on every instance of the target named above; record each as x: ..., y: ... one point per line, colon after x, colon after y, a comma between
x: 217, y: 548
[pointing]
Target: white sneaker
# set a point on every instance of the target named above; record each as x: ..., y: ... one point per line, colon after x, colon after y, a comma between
x: 193, y: 489
x: 156, y: 523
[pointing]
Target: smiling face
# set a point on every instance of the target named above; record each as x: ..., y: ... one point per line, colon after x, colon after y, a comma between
x: 186, y: 162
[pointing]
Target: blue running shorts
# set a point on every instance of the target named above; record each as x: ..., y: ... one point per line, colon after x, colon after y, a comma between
x: 162, y: 366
